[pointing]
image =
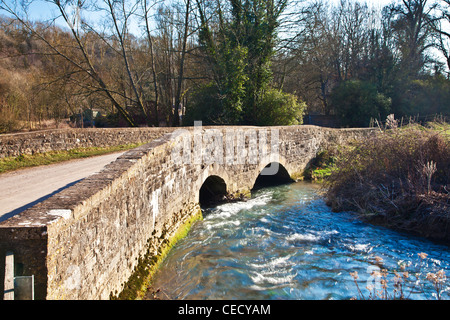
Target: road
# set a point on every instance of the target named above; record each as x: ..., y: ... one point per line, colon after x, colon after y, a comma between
x: 22, y: 189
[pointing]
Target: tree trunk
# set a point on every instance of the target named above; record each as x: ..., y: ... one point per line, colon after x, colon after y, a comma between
x: 176, y: 118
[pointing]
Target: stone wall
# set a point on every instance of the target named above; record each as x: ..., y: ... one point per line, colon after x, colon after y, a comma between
x: 12, y: 145
x: 85, y: 242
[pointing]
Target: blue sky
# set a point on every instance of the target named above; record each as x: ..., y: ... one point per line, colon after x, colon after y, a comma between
x: 43, y: 10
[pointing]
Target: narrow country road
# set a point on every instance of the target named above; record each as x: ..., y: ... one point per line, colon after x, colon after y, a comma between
x: 23, y: 189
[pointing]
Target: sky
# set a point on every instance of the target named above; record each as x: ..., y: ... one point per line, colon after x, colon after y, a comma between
x: 43, y: 10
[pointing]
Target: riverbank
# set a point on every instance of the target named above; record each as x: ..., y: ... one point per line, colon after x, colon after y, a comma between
x: 399, y: 178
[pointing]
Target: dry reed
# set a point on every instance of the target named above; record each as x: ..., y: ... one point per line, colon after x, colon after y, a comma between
x: 399, y: 178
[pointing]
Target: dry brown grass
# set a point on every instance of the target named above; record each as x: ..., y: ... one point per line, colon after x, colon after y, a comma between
x: 400, y: 178
x: 404, y: 284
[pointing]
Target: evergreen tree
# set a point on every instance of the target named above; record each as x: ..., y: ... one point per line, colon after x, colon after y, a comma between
x: 240, y: 48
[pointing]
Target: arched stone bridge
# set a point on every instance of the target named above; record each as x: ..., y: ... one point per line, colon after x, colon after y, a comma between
x: 85, y: 242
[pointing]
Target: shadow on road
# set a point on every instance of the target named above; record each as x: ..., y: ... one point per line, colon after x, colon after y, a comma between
x: 10, y: 214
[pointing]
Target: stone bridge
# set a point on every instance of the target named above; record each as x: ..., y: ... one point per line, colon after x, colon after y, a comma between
x: 86, y: 241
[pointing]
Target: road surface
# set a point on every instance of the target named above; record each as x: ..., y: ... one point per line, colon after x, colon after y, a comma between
x: 22, y: 189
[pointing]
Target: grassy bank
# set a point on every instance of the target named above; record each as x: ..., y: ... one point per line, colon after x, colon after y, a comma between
x: 321, y: 167
x: 39, y: 159
x: 399, y: 178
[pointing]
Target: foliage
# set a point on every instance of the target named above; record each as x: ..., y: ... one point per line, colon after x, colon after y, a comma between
x: 232, y: 90
x: 276, y: 108
x: 206, y: 105
x: 322, y: 166
x: 356, y: 102
x: 142, y: 60
x: 388, y: 179
x: 351, y: 41
x: 99, y: 63
x: 429, y: 95
x: 240, y: 57
x: 279, y: 108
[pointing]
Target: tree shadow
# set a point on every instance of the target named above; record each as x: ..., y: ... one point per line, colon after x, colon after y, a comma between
x: 14, y: 212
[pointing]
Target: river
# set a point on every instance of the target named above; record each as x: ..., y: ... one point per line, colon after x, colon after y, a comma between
x: 285, y: 243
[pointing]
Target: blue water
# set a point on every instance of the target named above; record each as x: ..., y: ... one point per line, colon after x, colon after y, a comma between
x: 285, y: 243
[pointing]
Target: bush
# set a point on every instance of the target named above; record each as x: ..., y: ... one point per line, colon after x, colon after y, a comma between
x: 429, y: 96
x: 356, y: 102
x: 398, y: 177
x: 321, y: 167
x: 204, y: 105
x: 278, y: 108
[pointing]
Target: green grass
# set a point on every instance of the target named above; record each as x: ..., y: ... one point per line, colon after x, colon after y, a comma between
x: 39, y: 159
x: 319, y: 174
x: 442, y: 127
x: 321, y: 167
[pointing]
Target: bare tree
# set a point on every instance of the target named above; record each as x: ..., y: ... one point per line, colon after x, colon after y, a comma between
x: 412, y: 31
x: 176, y: 119
x: 147, y: 7
x: 441, y: 25
x: 120, y: 16
x: 79, y: 58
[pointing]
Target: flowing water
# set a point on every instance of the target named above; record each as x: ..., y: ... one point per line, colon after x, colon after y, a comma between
x: 285, y: 243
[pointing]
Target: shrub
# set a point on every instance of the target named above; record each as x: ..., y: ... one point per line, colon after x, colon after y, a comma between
x: 205, y: 105
x: 427, y: 96
x: 322, y: 166
x: 356, y: 102
x: 278, y: 108
x: 399, y: 177
x: 275, y: 108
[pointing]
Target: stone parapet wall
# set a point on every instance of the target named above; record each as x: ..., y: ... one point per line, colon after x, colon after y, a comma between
x: 12, y: 145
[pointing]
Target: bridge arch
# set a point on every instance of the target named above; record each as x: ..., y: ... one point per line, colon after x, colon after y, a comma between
x: 271, y: 175
x: 213, y: 190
